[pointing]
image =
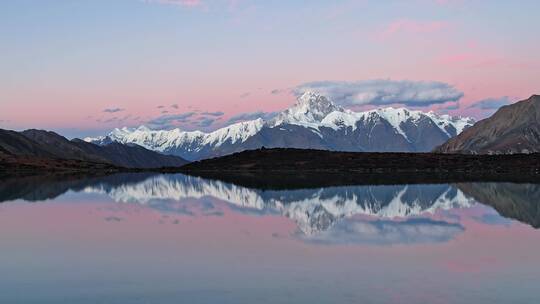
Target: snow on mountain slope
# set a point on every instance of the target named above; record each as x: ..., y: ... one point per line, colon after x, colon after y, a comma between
x: 238, y: 132
x: 166, y: 140
x: 445, y: 122
x: 384, y: 129
x: 397, y: 116
x: 178, y: 187
x: 315, y: 111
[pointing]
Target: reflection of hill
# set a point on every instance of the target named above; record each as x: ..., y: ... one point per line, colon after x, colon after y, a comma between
x: 44, y: 187
x: 517, y: 201
x: 282, y: 180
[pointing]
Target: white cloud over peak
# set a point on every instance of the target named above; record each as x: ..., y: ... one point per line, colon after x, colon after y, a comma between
x: 382, y: 92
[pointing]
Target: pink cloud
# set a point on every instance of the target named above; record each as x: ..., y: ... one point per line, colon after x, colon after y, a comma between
x: 188, y: 3
x: 472, y: 58
x: 472, y: 55
x: 454, y: 58
x: 232, y: 5
x: 406, y: 26
x: 443, y: 2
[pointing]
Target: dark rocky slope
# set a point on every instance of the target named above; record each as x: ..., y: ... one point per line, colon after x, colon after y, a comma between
x: 48, y: 150
x: 512, y: 129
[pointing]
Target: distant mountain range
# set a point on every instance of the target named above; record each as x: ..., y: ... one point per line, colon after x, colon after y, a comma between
x: 314, y: 122
x: 512, y: 129
x: 38, y: 146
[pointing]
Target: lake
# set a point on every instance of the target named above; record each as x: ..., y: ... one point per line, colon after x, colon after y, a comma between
x: 145, y: 238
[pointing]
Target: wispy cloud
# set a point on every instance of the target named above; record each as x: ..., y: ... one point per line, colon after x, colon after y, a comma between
x: 451, y: 106
x: 408, y: 26
x: 113, y: 110
x: 280, y: 91
x: 384, y: 92
x: 115, y: 119
x: 167, y: 121
x: 449, y: 2
x: 113, y: 219
x: 472, y: 59
x: 215, y: 114
x: 205, y: 122
x: 185, y: 3
x: 109, y: 120
x: 251, y: 116
x: 491, y: 103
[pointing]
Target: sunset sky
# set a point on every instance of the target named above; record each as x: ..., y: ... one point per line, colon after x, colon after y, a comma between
x: 84, y: 67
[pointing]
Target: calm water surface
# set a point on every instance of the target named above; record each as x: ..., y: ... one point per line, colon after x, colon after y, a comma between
x: 176, y: 239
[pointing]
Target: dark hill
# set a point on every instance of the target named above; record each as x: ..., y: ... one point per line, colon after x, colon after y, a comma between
x: 34, y: 148
x: 130, y: 156
x: 15, y: 143
x: 300, y: 160
x: 512, y: 129
x: 61, y: 147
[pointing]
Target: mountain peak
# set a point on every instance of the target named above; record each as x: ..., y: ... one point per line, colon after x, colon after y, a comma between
x: 310, y: 107
x: 313, y: 100
x: 309, y: 95
x: 143, y: 128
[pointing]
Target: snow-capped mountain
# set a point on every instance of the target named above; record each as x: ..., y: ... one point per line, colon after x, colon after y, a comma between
x: 178, y: 142
x: 313, y: 210
x: 312, y: 122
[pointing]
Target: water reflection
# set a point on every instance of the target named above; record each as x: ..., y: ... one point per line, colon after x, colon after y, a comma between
x: 517, y: 201
x: 334, y: 215
x: 143, y: 238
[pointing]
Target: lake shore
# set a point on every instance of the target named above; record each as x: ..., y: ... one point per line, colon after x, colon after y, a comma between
x: 299, y: 166
x: 304, y: 160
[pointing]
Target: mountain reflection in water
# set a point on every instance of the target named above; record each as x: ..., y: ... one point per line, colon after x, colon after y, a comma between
x: 151, y: 238
x: 380, y: 214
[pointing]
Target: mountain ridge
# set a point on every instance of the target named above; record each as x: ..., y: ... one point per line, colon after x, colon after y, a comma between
x: 47, y: 149
x: 313, y: 122
x: 512, y: 129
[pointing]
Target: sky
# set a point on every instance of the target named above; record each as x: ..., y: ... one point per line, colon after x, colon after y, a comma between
x: 82, y: 68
